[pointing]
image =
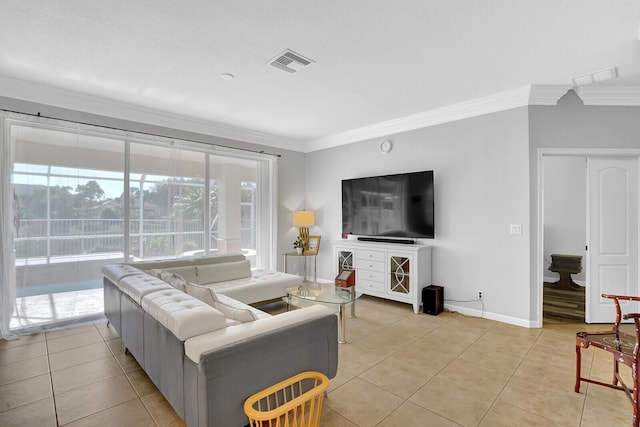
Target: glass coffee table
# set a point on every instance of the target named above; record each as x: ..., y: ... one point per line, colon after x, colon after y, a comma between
x: 327, y: 294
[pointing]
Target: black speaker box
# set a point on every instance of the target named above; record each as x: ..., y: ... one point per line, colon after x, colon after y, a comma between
x: 433, y: 300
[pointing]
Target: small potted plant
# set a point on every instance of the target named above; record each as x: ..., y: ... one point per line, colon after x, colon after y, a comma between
x: 298, y: 245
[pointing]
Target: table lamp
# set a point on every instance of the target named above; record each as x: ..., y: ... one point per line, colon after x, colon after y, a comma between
x: 304, y: 220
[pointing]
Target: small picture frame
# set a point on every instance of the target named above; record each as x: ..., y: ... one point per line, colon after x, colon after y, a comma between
x: 313, y: 245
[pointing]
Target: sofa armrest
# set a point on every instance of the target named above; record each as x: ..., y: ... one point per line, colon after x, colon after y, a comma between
x: 213, y: 273
x: 197, y: 346
x: 297, y: 341
x: 115, y: 272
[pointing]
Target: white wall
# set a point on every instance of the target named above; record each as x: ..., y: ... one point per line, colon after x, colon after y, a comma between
x: 565, y: 211
x: 481, y: 187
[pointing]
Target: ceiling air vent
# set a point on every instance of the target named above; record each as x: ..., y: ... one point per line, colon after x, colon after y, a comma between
x: 290, y: 61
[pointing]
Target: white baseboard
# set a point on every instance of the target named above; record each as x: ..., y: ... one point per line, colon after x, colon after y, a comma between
x: 477, y: 312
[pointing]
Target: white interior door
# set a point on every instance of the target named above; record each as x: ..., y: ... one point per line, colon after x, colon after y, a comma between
x: 613, y: 235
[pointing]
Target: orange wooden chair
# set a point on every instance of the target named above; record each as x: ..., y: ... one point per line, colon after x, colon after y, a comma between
x: 624, y: 349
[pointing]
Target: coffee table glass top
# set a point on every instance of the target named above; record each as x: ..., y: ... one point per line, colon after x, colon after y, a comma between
x: 324, y: 293
x: 327, y: 294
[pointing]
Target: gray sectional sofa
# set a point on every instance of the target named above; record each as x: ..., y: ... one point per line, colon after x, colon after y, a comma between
x: 206, y: 351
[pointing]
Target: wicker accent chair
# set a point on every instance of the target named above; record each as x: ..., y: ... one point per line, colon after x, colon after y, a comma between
x: 624, y: 349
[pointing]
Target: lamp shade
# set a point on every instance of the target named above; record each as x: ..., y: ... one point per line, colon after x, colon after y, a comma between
x: 304, y: 218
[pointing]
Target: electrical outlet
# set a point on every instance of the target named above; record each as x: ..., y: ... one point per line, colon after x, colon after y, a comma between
x: 479, y: 294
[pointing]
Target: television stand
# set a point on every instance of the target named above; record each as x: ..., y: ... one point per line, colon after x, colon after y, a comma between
x: 395, y: 272
x: 385, y: 240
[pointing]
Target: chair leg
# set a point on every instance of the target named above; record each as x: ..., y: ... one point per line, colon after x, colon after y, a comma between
x: 634, y: 374
x: 578, y: 371
x: 616, y: 367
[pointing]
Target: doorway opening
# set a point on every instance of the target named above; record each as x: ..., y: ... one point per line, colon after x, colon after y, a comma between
x: 588, y: 207
x: 564, y: 228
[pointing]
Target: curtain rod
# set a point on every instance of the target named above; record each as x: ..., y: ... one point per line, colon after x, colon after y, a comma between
x: 141, y: 132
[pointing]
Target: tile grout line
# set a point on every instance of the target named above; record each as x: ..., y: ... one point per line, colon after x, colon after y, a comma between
x: 53, y: 393
x: 139, y: 397
x: 457, y: 357
x: 112, y: 355
x: 355, y: 343
x: 541, y: 339
x: 506, y: 384
x: 433, y: 376
x: 513, y: 375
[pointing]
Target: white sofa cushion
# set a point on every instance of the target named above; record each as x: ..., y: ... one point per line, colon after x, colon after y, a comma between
x: 196, y: 346
x: 188, y: 273
x: 226, y: 307
x: 174, y: 279
x: 212, y: 273
x: 206, y: 295
x: 262, y: 286
x: 115, y: 272
x: 162, y: 263
x: 218, y: 259
x: 182, y: 314
x: 155, y: 272
x: 229, y: 305
x: 141, y: 284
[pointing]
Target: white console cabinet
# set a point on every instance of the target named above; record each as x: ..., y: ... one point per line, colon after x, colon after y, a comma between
x: 387, y: 270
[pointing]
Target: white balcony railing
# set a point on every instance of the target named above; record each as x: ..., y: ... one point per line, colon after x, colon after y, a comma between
x: 65, y: 237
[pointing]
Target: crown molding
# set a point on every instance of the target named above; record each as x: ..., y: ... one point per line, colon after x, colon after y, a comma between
x: 520, y: 97
x: 628, y: 96
x: 476, y: 107
x: 547, y: 94
x: 529, y: 95
x: 78, y: 101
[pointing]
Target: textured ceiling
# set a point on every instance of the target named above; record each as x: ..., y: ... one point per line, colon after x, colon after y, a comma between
x: 375, y: 61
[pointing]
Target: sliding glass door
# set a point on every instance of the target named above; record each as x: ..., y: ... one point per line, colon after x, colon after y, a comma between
x: 66, y: 223
x: 83, y: 197
x: 233, y: 188
x: 166, y: 203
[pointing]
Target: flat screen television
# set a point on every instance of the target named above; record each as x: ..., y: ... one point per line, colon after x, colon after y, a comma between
x: 399, y: 205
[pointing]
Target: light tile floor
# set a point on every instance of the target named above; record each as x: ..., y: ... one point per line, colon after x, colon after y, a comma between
x: 397, y: 369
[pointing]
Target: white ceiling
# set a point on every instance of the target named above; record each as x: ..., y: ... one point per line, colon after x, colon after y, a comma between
x: 375, y: 61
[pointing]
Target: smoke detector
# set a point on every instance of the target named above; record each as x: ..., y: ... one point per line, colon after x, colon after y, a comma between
x: 290, y: 61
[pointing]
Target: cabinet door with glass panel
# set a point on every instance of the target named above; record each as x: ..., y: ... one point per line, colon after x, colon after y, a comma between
x: 400, y: 268
x: 346, y: 259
